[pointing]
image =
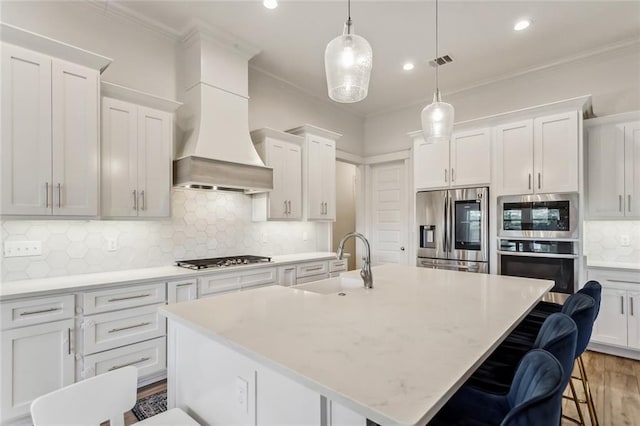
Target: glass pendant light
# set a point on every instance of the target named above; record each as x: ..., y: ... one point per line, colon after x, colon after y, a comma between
x: 348, y: 59
x: 437, y: 118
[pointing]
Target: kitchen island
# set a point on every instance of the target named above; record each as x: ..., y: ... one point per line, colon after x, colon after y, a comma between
x: 335, y: 353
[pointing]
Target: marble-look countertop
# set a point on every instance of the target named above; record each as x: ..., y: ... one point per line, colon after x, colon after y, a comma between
x: 43, y: 286
x: 613, y: 265
x: 394, y: 353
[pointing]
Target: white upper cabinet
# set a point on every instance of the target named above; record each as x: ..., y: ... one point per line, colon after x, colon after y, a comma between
x: 283, y: 152
x: 464, y: 161
x: 538, y: 155
x: 49, y: 145
x: 136, y: 155
x: 318, y: 172
x: 613, y: 169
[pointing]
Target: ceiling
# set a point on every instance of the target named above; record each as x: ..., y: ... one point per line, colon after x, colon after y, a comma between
x: 478, y: 35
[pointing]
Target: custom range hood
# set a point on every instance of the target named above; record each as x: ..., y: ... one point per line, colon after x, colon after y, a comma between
x: 216, y: 151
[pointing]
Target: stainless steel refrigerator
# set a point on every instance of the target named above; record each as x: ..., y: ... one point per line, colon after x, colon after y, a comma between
x: 453, y: 229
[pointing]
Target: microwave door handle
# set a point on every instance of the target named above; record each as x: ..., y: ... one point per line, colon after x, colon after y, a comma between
x: 445, y: 228
x: 451, y: 225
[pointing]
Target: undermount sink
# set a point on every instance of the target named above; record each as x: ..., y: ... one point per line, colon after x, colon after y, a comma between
x: 332, y: 285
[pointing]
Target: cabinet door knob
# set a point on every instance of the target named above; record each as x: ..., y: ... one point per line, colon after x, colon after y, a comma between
x: 402, y: 248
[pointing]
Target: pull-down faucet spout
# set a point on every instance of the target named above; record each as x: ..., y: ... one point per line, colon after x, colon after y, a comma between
x: 365, y: 272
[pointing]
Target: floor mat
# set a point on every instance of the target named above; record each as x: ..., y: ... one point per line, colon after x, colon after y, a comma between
x: 150, y: 405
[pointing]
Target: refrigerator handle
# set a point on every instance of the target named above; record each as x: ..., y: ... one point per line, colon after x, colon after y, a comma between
x: 446, y: 227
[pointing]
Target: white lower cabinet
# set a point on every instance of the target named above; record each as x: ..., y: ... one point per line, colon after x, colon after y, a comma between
x: 312, y: 271
x: 287, y: 275
x: 234, y: 281
x: 36, y: 351
x: 618, y: 323
x: 182, y: 291
x: 150, y: 357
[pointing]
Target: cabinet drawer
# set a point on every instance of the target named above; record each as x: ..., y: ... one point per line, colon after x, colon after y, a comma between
x: 114, y: 329
x: 123, y: 297
x: 338, y: 265
x: 312, y: 278
x: 24, y: 312
x: 223, y: 283
x: 149, y: 357
x: 182, y: 291
x: 312, y: 268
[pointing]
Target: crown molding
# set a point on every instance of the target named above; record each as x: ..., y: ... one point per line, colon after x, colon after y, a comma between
x: 116, y: 10
x: 587, y: 54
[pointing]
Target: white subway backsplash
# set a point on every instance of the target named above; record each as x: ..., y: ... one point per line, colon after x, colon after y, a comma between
x: 603, y: 241
x: 203, y: 224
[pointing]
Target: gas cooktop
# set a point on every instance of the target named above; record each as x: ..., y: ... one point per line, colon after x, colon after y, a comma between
x: 222, y: 262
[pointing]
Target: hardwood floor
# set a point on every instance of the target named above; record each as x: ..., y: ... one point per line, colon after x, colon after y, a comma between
x: 614, y: 381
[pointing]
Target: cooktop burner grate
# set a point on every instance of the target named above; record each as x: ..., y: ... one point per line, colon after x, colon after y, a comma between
x: 222, y: 262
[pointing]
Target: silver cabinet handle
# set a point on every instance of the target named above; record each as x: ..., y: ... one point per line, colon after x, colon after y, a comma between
x: 285, y: 206
x: 631, y: 305
x: 629, y: 203
x: 453, y: 179
x: 69, y: 336
x: 529, y: 180
x: 142, y: 324
x: 622, y: 305
x: 118, y: 299
x: 539, y: 180
x: 42, y: 311
x: 620, y: 203
x: 135, y: 200
x: 46, y: 194
x: 59, y: 195
x: 115, y: 367
x: 144, y: 204
x: 183, y: 284
x: 445, y: 175
x: 289, y: 206
x: 317, y: 268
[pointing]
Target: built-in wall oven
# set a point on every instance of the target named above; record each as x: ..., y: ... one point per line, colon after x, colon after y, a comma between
x: 539, y: 238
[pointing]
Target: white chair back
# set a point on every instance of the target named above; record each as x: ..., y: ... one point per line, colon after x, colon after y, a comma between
x: 89, y: 402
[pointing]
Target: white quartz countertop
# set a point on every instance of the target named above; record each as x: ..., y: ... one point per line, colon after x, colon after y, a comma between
x: 42, y: 286
x: 394, y: 353
x: 613, y: 265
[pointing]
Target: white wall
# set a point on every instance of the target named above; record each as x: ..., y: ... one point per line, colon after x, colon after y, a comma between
x: 277, y: 104
x: 612, y: 78
x: 142, y: 59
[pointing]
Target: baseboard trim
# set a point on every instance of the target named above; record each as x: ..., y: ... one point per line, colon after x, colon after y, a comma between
x: 614, y: 350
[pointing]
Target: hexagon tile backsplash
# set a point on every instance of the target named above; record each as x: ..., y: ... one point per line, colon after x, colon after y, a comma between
x: 203, y: 224
x: 603, y: 241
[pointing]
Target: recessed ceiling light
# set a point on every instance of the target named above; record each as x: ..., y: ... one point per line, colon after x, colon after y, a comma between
x: 270, y: 4
x: 522, y: 24
x: 408, y: 66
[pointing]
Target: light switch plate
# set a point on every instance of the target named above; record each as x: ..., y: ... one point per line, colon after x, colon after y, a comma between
x: 625, y: 240
x: 242, y: 394
x: 22, y: 248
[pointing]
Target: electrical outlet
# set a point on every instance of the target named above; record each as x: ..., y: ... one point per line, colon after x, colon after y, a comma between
x: 625, y: 240
x: 112, y: 244
x: 22, y: 248
x: 242, y: 394
x: 305, y: 237
x: 265, y: 237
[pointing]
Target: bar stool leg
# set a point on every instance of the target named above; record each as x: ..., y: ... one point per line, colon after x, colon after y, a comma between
x: 574, y: 398
x: 587, y: 392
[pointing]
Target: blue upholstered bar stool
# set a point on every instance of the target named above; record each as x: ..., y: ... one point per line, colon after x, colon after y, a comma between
x: 534, y: 398
x: 557, y: 336
x: 591, y: 288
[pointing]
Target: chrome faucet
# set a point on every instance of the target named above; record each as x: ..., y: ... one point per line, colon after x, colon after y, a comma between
x: 365, y: 272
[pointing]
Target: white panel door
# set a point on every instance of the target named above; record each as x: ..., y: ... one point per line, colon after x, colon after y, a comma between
x: 182, y: 291
x: 514, y: 145
x: 315, y: 195
x: 35, y: 360
x: 154, y: 162
x: 611, y: 325
x: 633, y: 319
x: 25, y: 149
x: 389, y: 213
x: 329, y: 179
x: 119, y: 158
x: 605, y: 171
x: 430, y: 164
x: 556, y: 153
x: 75, y: 139
x: 632, y: 169
x: 293, y: 182
x: 471, y: 157
x: 277, y: 158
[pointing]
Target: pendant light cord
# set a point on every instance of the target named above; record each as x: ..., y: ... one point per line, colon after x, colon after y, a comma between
x: 436, y: 60
x: 348, y: 16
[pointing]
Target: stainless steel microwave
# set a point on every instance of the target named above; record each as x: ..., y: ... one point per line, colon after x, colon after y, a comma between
x: 550, y: 216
